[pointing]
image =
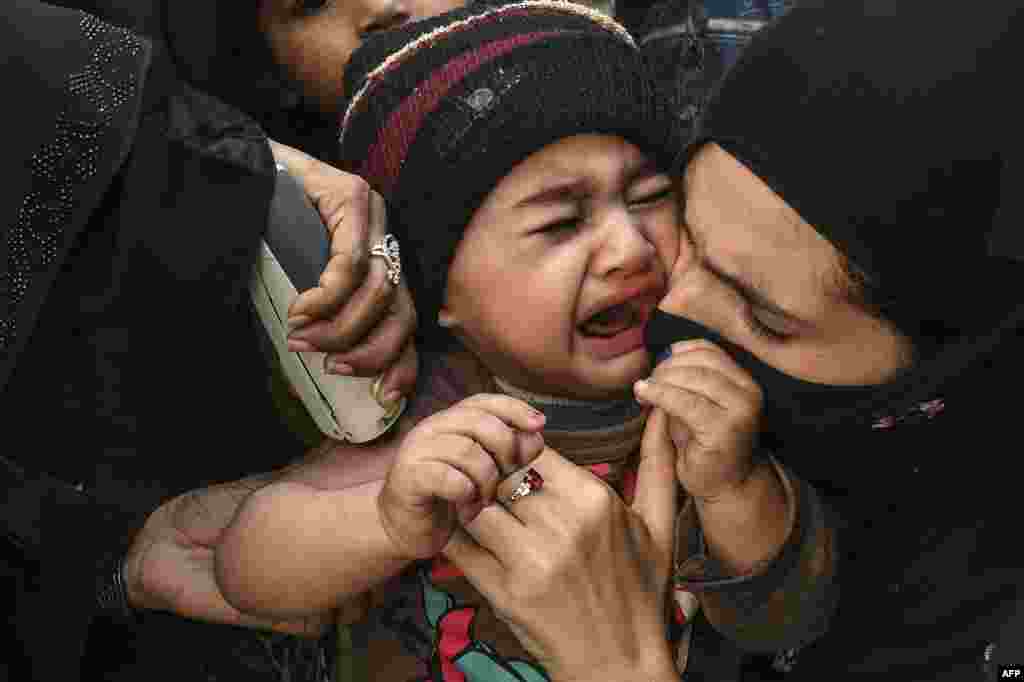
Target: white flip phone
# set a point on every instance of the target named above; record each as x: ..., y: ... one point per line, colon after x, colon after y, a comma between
x: 293, y: 255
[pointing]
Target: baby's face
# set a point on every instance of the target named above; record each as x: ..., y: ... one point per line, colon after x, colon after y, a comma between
x: 558, y: 270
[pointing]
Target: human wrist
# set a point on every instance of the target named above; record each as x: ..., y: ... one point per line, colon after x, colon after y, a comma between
x: 390, y: 546
x: 748, y: 527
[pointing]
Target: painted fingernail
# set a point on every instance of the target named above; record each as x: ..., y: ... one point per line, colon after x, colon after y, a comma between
x: 339, y: 367
x: 299, y: 346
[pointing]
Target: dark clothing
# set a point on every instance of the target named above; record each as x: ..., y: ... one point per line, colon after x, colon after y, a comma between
x: 932, y: 566
x: 895, y: 140
x: 130, y: 364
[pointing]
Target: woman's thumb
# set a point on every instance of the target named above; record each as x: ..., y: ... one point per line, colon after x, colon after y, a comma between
x: 656, y: 499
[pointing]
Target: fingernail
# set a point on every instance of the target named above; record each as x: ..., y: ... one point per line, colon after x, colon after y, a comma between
x: 298, y: 321
x: 339, y: 367
x: 299, y: 346
x: 391, y: 397
x: 639, y: 388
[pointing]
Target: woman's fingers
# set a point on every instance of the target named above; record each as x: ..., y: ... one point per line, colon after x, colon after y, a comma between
x: 481, y: 567
x: 346, y: 315
x: 400, y: 378
x: 656, y: 499
x: 384, y: 344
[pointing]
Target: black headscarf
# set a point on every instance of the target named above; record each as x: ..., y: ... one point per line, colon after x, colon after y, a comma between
x: 217, y: 46
x: 896, y: 139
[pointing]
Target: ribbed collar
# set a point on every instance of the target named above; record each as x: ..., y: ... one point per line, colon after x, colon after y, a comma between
x: 583, y: 431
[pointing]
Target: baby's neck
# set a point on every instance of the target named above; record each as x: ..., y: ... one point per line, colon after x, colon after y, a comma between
x: 585, y: 432
x: 573, y: 414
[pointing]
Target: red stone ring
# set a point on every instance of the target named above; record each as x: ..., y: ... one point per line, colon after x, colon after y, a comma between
x: 532, y: 481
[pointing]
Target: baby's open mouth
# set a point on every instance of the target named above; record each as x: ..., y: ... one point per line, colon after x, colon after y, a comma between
x: 611, y: 321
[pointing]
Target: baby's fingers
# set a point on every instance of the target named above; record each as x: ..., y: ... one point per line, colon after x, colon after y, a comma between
x: 439, y: 479
x: 691, y: 407
x: 712, y: 384
x: 486, y: 438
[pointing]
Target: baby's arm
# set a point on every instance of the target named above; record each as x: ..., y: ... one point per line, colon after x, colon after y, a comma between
x: 293, y: 550
x: 318, y: 518
x: 320, y: 534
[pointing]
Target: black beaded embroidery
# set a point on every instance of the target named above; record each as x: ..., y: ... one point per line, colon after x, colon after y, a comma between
x: 60, y: 168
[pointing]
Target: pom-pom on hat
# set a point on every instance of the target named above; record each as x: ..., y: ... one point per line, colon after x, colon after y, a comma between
x: 439, y: 111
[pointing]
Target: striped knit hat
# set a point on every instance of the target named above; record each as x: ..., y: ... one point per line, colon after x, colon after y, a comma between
x: 440, y: 110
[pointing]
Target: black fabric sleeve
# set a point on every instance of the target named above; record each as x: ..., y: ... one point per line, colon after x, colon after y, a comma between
x: 76, y: 97
x: 99, y: 105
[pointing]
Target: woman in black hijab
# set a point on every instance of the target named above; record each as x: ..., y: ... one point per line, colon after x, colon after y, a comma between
x: 852, y: 245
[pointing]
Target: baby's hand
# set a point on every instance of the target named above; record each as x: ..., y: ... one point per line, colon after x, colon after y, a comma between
x: 449, y: 467
x: 709, y: 409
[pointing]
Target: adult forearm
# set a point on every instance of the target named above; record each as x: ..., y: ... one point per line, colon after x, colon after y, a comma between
x: 293, y: 550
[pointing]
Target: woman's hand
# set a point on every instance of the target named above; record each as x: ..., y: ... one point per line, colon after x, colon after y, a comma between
x: 170, y: 565
x: 449, y: 467
x: 356, y: 315
x: 708, y: 409
x: 580, y: 578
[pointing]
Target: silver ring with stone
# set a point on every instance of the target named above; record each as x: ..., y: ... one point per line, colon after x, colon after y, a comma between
x: 387, y: 248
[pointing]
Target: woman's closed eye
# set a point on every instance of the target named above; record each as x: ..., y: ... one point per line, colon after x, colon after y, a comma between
x: 307, y: 7
x: 763, y: 324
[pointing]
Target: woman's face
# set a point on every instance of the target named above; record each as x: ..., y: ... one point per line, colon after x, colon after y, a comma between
x: 567, y: 234
x: 749, y: 267
x: 315, y: 38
